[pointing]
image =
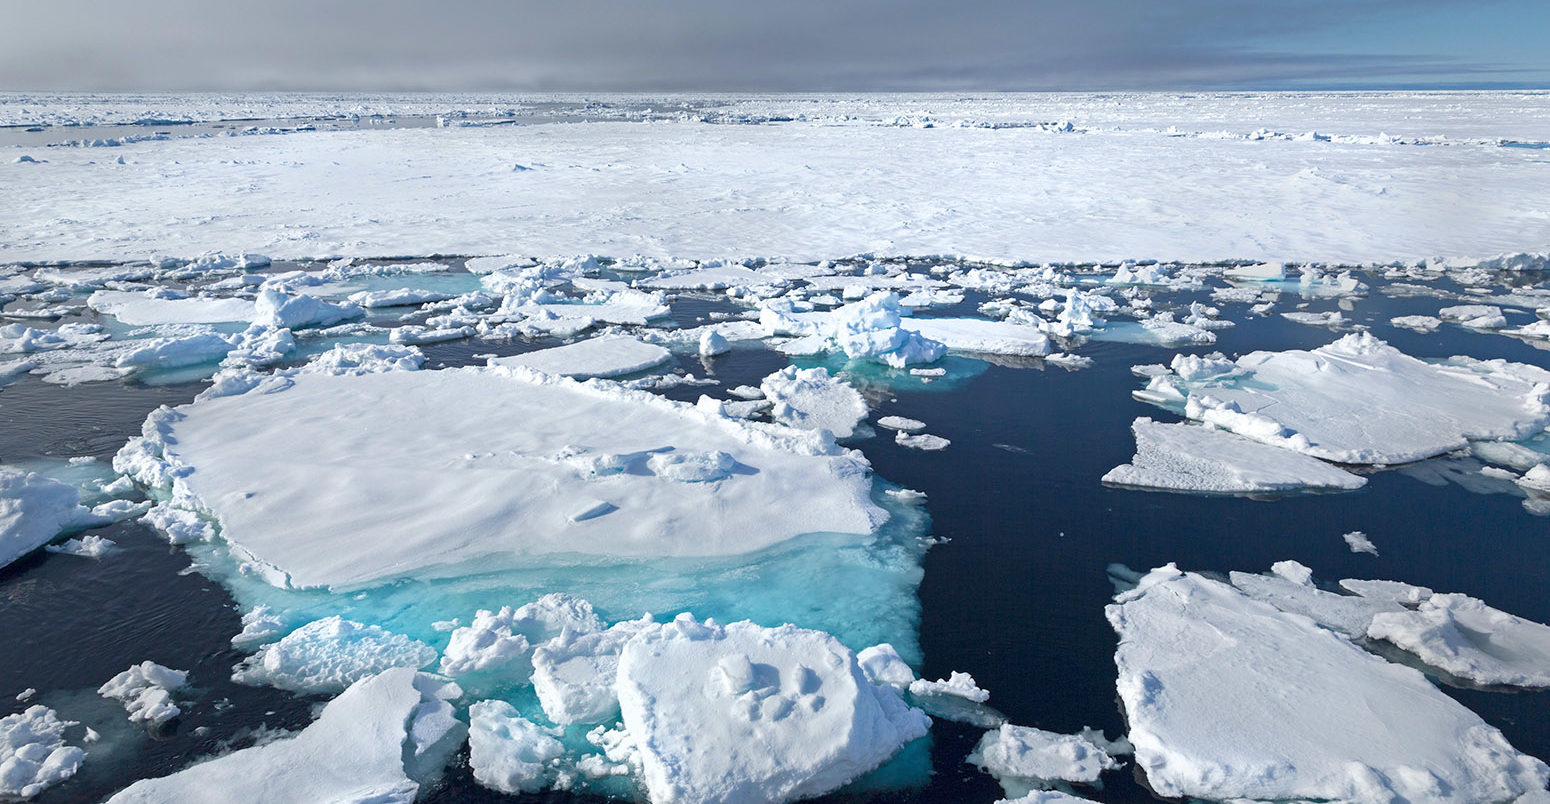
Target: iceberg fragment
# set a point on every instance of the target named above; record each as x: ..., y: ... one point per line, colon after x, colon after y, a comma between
x: 146, y: 690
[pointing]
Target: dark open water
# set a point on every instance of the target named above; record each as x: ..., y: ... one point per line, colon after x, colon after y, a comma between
x: 1014, y: 596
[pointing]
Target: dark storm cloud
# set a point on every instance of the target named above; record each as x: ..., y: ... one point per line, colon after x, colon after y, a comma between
x: 716, y: 45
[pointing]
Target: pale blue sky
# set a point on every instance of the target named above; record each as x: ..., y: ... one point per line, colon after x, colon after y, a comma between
x: 773, y: 45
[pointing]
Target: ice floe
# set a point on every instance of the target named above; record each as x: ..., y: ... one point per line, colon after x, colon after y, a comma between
x: 1470, y: 640
x: 146, y: 691
x: 1230, y: 698
x: 465, y: 460
x: 151, y: 307
x: 607, y: 356
x: 34, y: 509
x: 33, y: 753
x: 1189, y: 457
x: 379, y: 741
x: 811, y: 399
x: 330, y: 654
x: 1359, y: 400
x: 508, y: 752
x: 1024, y: 758
x: 766, y: 715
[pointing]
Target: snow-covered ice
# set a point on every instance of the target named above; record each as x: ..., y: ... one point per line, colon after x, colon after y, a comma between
x: 606, y: 356
x: 146, y: 690
x: 1022, y: 757
x: 148, y: 308
x: 508, y: 752
x: 33, y: 753
x: 811, y: 399
x: 1359, y: 542
x: 461, y: 463
x: 1189, y: 457
x: 1470, y: 640
x: 378, y: 742
x: 33, y: 510
x: 330, y: 654
x: 1229, y: 698
x: 751, y: 714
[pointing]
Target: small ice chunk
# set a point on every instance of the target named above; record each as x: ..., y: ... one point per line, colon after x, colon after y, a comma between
x: 330, y: 654
x: 281, y: 310
x: 1474, y: 316
x: 505, y: 638
x: 713, y: 343
x: 1471, y: 640
x: 1021, y: 757
x: 508, y: 752
x: 146, y: 690
x: 882, y: 665
x: 33, y: 754
x: 606, y: 356
x: 1537, y: 478
x: 574, y: 673
x: 397, y: 297
x: 260, y: 626
x: 811, y: 399
x: 901, y: 423
x: 800, y: 720
x: 1419, y: 323
x: 1359, y: 543
x: 88, y: 546
x: 378, y: 741
x: 957, y: 685
x: 921, y: 441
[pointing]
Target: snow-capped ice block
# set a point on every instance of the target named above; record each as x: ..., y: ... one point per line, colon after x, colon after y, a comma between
x: 1470, y: 640
x: 1021, y: 757
x: 607, y: 356
x: 33, y: 510
x: 1047, y: 797
x: 811, y: 399
x: 1188, y: 457
x: 172, y: 352
x: 33, y: 754
x: 981, y: 336
x: 282, y: 310
x: 146, y: 690
x: 140, y: 309
x: 751, y: 714
x: 871, y: 328
x: 330, y: 654
x: 497, y: 639
x: 485, y: 465
x: 574, y: 673
x: 377, y: 742
x: 1349, y: 615
x: 1359, y: 400
x: 1230, y: 698
x: 508, y: 752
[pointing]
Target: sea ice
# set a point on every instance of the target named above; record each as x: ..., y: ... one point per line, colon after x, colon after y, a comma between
x: 148, y: 307
x: 606, y: 356
x: 811, y: 399
x: 901, y: 423
x: 465, y: 464
x: 33, y: 754
x: 882, y: 665
x: 33, y: 510
x: 956, y: 685
x: 1359, y: 543
x: 276, y: 308
x: 1474, y: 316
x: 751, y: 714
x: 1188, y: 457
x: 88, y: 546
x: 1022, y: 758
x: 574, y: 673
x: 378, y: 742
x: 980, y: 336
x: 508, y: 752
x: 330, y: 654
x: 1359, y: 400
x: 1229, y: 698
x: 1290, y: 588
x: 921, y: 441
x: 501, y: 638
x: 146, y: 690
x: 1470, y: 640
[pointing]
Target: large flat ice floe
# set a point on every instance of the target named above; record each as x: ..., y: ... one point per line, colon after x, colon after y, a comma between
x: 607, y: 356
x: 750, y: 714
x: 487, y: 465
x: 376, y: 743
x: 1358, y: 400
x: 1230, y: 698
x: 1188, y: 457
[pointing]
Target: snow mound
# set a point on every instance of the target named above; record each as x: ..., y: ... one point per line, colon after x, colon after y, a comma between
x: 33, y: 754
x: 1360, y: 401
x: 608, y: 356
x: 502, y: 638
x: 330, y: 654
x: 1229, y: 698
x: 1470, y: 640
x: 484, y: 464
x: 376, y: 743
x: 751, y: 714
x: 276, y: 308
x: 146, y: 690
x: 1187, y: 457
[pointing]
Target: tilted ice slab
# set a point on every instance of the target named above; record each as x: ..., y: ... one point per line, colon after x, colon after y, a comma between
x: 486, y: 465
x: 141, y: 309
x: 1359, y: 400
x: 34, y: 509
x: 1188, y: 457
x: 1229, y: 698
x: 1470, y: 640
x: 750, y: 714
x: 1290, y: 588
x: 607, y: 356
x: 374, y: 744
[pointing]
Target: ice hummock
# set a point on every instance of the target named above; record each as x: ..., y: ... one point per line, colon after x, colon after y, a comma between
x: 812, y: 399
x: 33, y: 753
x: 1229, y: 698
x: 378, y: 742
x: 463, y: 462
x: 146, y: 690
x: 1189, y: 457
x: 764, y: 714
x: 1360, y: 401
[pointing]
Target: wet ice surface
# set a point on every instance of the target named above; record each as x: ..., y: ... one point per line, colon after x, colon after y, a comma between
x: 1010, y: 593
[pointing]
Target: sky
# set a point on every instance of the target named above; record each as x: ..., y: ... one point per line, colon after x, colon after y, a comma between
x: 772, y: 45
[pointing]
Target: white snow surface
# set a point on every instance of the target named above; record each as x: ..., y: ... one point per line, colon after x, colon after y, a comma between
x: 1146, y: 176
x: 1188, y: 457
x: 142, y: 308
x: 1470, y: 640
x: 1026, y: 753
x: 376, y: 743
x: 146, y: 690
x: 33, y: 510
x: 1360, y: 401
x: 751, y: 714
x: 981, y: 336
x: 606, y: 356
x: 508, y: 752
x: 1229, y: 698
x: 488, y: 465
x: 812, y: 399
x: 330, y: 654
x: 33, y: 754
